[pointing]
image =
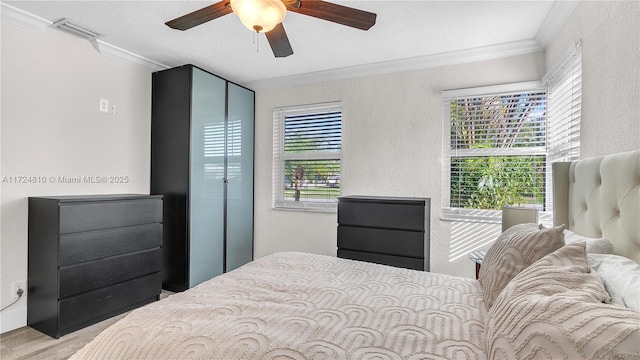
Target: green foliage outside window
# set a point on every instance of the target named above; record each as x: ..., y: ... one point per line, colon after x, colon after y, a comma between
x: 494, y: 181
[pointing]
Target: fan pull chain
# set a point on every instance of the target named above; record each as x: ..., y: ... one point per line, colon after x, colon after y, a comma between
x: 256, y: 40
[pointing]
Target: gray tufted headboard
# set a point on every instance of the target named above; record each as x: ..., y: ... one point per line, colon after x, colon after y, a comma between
x: 600, y: 197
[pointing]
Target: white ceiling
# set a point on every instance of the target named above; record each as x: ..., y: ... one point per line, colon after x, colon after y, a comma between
x: 406, y: 32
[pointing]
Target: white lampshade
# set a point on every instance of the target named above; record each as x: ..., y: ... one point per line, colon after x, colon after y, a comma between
x: 259, y: 15
x: 512, y: 215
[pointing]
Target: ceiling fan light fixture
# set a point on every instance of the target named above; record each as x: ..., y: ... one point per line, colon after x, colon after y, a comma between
x: 259, y: 15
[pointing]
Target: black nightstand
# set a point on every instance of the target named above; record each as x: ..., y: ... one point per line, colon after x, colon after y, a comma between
x: 477, y: 257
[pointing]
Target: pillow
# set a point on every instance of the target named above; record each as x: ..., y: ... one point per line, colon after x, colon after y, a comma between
x: 620, y: 276
x: 554, y: 310
x: 515, y: 249
x: 594, y: 246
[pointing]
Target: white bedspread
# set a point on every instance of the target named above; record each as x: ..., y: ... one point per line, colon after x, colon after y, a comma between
x: 304, y: 306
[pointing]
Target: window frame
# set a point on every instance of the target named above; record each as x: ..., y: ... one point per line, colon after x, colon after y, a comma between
x: 280, y: 115
x: 467, y: 214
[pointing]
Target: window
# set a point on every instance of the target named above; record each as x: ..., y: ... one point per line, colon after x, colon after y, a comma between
x: 307, y: 151
x: 500, y: 141
x: 495, y: 152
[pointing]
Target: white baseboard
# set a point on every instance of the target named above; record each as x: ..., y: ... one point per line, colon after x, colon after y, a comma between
x: 12, y: 319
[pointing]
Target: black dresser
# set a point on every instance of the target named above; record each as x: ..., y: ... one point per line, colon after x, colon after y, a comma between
x: 90, y: 258
x: 385, y: 230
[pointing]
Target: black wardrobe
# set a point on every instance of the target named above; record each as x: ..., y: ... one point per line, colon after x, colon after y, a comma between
x: 202, y: 133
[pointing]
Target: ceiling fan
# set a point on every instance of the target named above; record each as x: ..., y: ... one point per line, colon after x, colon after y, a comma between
x: 266, y: 16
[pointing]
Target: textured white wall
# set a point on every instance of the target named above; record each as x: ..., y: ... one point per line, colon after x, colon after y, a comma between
x: 51, y: 126
x: 392, y: 126
x: 392, y: 145
x: 610, y: 33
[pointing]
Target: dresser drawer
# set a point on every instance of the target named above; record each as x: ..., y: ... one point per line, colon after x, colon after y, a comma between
x: 388, y: 215
x: 80, y: 217
x: 105, y: 301
x: 95, y: 274
x: 397, y: 261
x: 80, y: 247
x: 384, y: 241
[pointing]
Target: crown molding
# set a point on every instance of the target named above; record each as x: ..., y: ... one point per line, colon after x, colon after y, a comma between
x: 32, y: 22
x: 127, y: 57
x: 416, y: 63
x: 556, y: 18
x: 22, y: 18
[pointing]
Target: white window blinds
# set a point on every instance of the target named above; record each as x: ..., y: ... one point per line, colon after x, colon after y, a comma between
x: 307, y: 152
x: 495, y: 150
x: 564, y: 99
x: 564, y: 86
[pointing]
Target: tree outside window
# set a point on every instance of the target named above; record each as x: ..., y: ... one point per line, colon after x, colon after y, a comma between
x: 307, y: 163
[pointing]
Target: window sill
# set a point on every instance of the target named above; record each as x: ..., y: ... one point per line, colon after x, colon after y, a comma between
x: 471, y: 215
x: 328, y: 210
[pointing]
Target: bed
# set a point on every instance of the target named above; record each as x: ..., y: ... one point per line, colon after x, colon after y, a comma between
x: 306, y: 306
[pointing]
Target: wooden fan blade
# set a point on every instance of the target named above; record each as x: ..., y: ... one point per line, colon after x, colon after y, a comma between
x: 200, y: 16
x: 279, y: 41
x: 344, y: 15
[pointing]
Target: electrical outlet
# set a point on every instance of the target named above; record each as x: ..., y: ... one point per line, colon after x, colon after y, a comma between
x: 18, y: 285
x: 104, y: 107
x: 112, y: 108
